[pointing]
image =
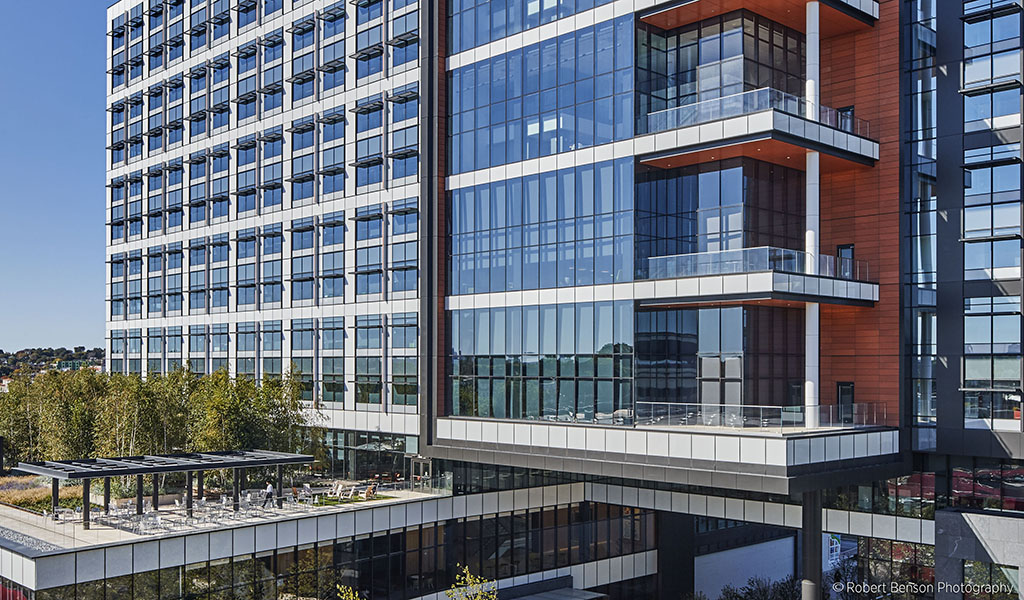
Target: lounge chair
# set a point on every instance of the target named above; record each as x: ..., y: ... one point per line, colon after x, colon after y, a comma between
x: 336, y: 490
x: 307, y: 494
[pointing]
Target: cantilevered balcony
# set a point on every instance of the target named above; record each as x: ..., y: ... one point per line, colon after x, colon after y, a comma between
x: 750, y: 102
x: 750, y: 119
x: 757, y: 274
x: 769, y: 459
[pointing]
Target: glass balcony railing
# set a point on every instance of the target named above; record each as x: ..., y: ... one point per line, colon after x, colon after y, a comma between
x: 752, y: 102
x: 741, y: 416
x: 756, y: 260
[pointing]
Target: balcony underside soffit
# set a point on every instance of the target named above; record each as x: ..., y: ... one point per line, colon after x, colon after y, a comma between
x: 853, y: 305
x: 768, y: 150
x: 791, y: 13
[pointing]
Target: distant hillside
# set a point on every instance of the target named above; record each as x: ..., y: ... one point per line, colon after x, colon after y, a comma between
x: 33, y: 360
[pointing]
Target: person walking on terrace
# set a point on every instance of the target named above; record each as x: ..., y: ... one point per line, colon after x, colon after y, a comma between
x: 268, y: 495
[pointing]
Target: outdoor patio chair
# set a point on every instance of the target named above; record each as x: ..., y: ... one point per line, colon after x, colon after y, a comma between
x: 149, y: 523
x: 306, y: 495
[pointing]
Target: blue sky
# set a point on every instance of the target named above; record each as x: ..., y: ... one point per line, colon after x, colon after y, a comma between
x: 52, y: 116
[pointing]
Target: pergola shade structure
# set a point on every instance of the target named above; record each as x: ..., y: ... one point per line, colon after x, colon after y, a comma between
x: 88, y: 469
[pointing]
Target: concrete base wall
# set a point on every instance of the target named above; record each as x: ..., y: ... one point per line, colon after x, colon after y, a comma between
x: 986, y: 537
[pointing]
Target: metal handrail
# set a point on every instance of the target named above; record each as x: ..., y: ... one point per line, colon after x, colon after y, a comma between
x: 749, y: 102
x: 744, y: 416
x: 753, y: 260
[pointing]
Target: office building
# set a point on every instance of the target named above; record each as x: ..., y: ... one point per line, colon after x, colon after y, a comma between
x: 659, y: 271
x: 263, y: 203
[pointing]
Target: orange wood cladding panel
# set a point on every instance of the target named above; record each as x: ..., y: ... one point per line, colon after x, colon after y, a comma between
x: 862, y: 207
x: 790, y: 13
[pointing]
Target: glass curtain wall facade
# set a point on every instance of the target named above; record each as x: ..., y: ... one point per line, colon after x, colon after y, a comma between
x: 991, y: 225
x: 734, y: 355
x: 263, y: 189
x: 982, y: 329
x: 264, y: 193
x: 718, y: 205
x: 599, y: 223
x: 363, y: 455
x: 563, y: 362
x: 715, y: 58
x: 407, y: 562
x: 565, y: 228
x: 604, y: 362
x: 565, y: 93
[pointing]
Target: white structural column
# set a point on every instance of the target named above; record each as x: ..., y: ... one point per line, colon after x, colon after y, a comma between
x: 813, y: 201
x: 811, y: 310
x: 812, y: 89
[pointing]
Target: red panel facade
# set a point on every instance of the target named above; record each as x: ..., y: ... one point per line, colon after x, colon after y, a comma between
x: 861, y: 206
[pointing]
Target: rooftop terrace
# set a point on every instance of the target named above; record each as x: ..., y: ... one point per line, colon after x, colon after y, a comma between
x: 32, y: 534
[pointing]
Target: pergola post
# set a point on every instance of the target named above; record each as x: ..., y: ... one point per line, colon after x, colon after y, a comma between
x: 234, y: 490
x: 200, y: 486
x: 106, y: 495
x: 280, y: 486
x: 243, y: 480
x: 156, y: 492
x: 86, y: 503
x: 138, y: 494
x: 188, y: 493
x: 54, y: 496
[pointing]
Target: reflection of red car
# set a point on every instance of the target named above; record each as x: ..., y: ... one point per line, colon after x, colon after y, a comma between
x: 917, y: 485
x: 991, y: 484
x: 7, y: 593
x: 987, y: 484
x: 1013, y: 488
x: 902, y: 552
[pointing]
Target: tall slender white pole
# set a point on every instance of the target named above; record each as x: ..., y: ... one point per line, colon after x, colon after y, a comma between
x: 812, y: 88
x: 811, y: 237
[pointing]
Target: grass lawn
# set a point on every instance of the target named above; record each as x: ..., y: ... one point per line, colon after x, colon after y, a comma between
x: 326, y: 501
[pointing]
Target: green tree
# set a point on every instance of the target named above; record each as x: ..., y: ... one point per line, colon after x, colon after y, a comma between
x: 347, y: 593
x: 221, y: 416
x: 69, y: 407
x: 472, y: 587
x: 121, y: 423
x: 19, y: 422
x: 175, y: 410
x: 758, y: 588
x: 76, y: 414
x: 289, y: 423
